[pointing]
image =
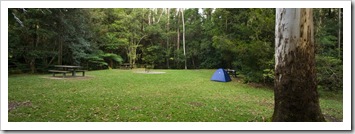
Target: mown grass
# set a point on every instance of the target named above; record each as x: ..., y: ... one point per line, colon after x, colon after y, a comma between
x: 125, y: 96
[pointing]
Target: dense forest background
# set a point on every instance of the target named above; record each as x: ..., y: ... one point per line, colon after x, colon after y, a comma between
x: 194, y: 38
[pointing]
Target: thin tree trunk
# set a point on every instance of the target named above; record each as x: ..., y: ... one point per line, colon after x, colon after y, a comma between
x: 36, y: 42
x: 183, y: 36
x: 50, y: 62
x: 60, y: 41
x: 60, y: 52
x: 111, y: 64
x: 150, y: 13
x: 178, y: 31
x: 142, y: 21
x: 339, y: 31
x: 193, y: 62
x: 132, y: 50
x: 296, y: 96
x: 154, y: 9
x: 37, y: 36
x: 226, y: 24
x: 160, y: 16
x: 33, y: 65
x: 167, y: 40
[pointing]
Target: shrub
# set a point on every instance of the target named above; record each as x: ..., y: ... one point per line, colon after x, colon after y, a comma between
x: 329, y: 73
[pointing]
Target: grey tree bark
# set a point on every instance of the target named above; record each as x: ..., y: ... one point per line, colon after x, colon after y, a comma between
x: 296, y: 96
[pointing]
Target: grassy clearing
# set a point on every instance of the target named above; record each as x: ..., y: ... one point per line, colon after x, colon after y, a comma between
x: 122, y: 96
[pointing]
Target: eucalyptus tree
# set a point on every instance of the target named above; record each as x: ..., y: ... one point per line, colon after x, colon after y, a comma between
x: 296, y: 96
x: 183, y: 35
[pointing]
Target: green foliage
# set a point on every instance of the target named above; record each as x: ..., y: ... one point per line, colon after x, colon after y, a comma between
x: 97, y: 60
x: 329, y: 73
x: 254, y: 58
x: 100, y: 59
x: 39, y: 36
x: 329, y: 50
x: 153, y: 55
x: 112, y: 56
x: 235, y: 38
x: 246, y: 40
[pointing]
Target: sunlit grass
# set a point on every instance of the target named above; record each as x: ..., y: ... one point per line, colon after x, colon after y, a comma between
x: 122, y: 96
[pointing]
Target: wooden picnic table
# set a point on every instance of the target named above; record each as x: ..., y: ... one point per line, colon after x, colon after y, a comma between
x: 232, y: 72
x: 126, y: 66
x: 69, y: 68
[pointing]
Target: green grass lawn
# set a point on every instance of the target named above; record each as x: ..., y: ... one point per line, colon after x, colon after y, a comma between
x: 124, y: 96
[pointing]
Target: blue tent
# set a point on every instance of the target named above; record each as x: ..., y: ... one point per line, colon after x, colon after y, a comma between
x: 221, y: 75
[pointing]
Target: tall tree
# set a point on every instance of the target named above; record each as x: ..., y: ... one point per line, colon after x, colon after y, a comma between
x: 183, y: 35
x: 296, y: 96
x: 167, y: 39
x: 178, y: 29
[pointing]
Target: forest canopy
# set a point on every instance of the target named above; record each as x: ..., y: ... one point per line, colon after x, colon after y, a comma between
x: 165, y: 38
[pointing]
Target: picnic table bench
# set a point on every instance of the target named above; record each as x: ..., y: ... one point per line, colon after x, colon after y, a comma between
x: 59, y: 71
x: 126, y: 66
x: 232, y: 72
x: 63, y: 69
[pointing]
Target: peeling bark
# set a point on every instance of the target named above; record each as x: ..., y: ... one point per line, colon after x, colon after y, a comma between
x: 296, y: 96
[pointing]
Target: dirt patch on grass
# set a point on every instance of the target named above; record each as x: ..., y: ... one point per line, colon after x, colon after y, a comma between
x: 196, y: 104
x: 14, y: 105
x: 266, y: 103
x: 236, y: 79
x: 149, y: 72
x: 68, y: 77
x: 255, y: 85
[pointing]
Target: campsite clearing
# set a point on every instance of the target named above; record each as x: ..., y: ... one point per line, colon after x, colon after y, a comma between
x: 123, y: 95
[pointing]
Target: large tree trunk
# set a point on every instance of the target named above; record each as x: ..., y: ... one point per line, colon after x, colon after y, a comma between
x: 296, y: 96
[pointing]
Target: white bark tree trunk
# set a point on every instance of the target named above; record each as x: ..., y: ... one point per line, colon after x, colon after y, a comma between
x: 183, y: 35
x: 296, y: 96
x: 161, y: 14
